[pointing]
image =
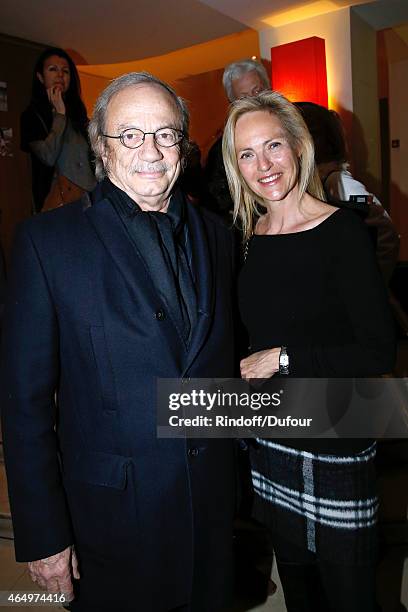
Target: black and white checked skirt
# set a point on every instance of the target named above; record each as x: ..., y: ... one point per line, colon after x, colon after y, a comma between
x: 325, y: 503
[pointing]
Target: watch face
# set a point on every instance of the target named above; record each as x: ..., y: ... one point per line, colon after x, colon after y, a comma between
x: 284, y: 361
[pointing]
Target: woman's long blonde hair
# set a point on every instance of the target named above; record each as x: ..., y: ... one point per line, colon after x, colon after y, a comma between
x: 246, y: 202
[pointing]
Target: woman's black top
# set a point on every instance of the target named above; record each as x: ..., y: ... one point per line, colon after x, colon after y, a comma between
x: 319, y: 293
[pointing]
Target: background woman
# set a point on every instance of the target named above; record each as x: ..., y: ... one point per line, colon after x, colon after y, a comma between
x: 314, y: 305
x: 54, y: 132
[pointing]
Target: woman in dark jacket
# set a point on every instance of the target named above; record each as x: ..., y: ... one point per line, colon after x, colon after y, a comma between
x: 53, y: 131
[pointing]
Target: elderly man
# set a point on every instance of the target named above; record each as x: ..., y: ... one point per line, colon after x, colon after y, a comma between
x: 243, y: 79
x: 106, y: 295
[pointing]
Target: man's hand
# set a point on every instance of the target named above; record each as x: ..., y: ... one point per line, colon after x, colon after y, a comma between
x: 262, y: 364
x: 55, y: 573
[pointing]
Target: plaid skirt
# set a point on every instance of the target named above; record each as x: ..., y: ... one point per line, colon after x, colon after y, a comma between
x: 325, y: 503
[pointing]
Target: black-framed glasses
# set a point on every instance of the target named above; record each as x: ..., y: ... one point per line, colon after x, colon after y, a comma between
x: 132, y: 138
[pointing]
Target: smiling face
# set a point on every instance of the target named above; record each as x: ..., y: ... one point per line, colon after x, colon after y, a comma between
x: 265, y: 156
x: 147, y: 174
x: 55, y: 73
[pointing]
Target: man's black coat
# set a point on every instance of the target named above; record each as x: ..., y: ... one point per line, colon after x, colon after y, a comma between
x: 150, y: 519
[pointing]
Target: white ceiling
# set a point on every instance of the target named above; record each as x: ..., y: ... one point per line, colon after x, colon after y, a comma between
x: 105, y: 31
x: 260, y: 14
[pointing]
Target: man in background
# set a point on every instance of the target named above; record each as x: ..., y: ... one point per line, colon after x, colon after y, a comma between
x: 243, y: 79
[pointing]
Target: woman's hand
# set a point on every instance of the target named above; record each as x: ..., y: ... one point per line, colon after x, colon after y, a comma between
x: 262, y: 364
x: 55, y: 97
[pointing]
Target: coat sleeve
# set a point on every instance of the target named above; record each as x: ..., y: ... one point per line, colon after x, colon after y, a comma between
x: 48, y: 149
x: 29, y: 380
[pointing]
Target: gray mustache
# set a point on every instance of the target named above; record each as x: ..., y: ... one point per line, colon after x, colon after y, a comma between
x: 160, y: 167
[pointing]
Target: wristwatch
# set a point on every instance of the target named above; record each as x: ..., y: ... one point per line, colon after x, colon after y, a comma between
x: 283, y: 361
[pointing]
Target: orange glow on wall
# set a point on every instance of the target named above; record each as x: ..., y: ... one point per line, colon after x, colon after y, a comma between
x: 299, y: 70
x: 195, y: 73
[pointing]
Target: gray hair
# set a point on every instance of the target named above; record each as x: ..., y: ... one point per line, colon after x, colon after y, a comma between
x: 96, y: 128
x: 238, y: 69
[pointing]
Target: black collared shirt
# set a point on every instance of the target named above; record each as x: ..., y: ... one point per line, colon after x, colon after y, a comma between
x: 163, y: 242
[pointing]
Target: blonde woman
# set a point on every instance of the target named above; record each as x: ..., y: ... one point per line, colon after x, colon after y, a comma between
x: 314, y: 305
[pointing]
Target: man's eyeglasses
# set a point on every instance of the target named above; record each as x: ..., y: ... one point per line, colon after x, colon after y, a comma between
x: 132, y: 138
x: 251, y: 94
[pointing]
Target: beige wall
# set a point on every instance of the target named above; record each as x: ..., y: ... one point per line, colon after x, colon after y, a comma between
x: 335, y: 29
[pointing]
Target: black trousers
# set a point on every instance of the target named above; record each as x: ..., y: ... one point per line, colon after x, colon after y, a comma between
x: 312, y: 585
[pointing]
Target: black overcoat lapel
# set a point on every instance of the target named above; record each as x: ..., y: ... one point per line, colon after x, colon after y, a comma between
x: 204, y: 256
x: 113, y: 235
x: 115, y: 239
